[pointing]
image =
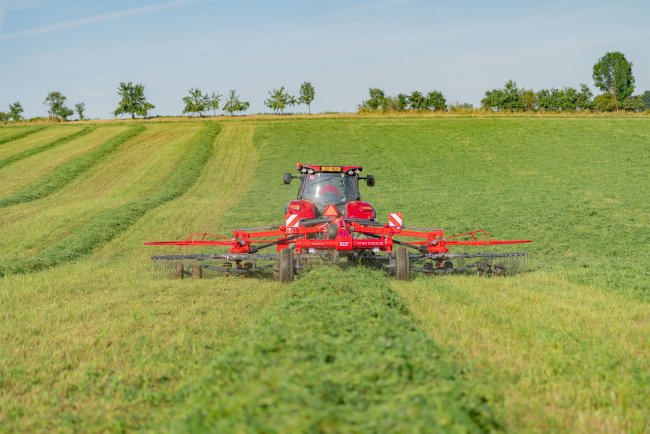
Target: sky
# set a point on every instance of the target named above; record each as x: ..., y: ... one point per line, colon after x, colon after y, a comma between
x: 85, y: 48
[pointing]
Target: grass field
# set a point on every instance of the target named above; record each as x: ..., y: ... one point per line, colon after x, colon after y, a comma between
x: 93, y: 340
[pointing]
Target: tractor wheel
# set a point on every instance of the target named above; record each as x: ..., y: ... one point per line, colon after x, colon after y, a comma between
x: 197, y: 271
x: 402, y: 264
x: 179, y: 270
x: 285, y: 266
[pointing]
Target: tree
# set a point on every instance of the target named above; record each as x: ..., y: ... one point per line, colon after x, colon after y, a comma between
x: 633, y: 104
x: 376, y: 99
x: 213, y: 102
x: 80, y: 107
x: 493, y: 100
x: 417, y: 101
x: 529, y: 100
x: 56, y: 103
x: 234, y: 104
x: 4, y: 117
x: 436, y: 101
x: 307, y: 94
x: 133, y: 100
x: 279, y: 99
x: 584, y: 98
x: 605, y: 103
x: 613, y: 74
x: 646, y: 99
x: 196, y: 102
x: 15, y: 111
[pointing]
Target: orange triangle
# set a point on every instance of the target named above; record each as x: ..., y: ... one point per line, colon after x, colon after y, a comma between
x: 331, y: 211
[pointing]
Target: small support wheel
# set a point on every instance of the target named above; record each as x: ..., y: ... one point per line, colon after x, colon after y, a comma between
x: 447, y: 265
x: 402, y: 264
x: 197, y: 271
x: 179, y: 270
x: 285, y: 266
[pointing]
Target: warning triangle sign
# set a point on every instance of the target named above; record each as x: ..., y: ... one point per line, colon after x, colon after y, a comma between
x: 331, y: 211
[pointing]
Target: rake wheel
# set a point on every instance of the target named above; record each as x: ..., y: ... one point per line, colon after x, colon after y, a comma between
x: 402, y: 264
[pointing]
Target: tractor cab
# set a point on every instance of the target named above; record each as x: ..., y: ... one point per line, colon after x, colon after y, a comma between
x: 322, y: 186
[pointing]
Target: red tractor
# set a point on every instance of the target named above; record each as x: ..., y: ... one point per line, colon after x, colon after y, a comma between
x: 329, y: 220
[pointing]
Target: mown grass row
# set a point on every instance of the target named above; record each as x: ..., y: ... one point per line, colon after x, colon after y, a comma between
x: 70, y: 170
x: 109, y: 223
x: 37, y: 150
x: 340, y: 353
x: 23, y: 132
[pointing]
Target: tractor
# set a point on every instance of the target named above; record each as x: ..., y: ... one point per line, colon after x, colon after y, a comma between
x: 328, y: 220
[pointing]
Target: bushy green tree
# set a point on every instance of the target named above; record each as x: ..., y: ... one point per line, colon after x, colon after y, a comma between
x: 133, y: 100
x: 55, y: 100
x: 196, y: 102
x: 613, y: 74
x: 4, y: 117
x: 493, y: 100
x: 15, y: 111
x: 633, y: 103
x: 80, y: 107
x: 529, y: 101
x: 436, y: 101
x: 307, y: 94
x: 646, y: 99
x: 279, y: 99
x: 234, y: 104
x: 584, y: 98
x: 417, y: 101
x: 376, y: 99
x: 214, y: 102
x: 605, y: 102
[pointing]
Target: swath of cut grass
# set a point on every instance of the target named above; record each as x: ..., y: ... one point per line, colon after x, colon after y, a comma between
x: 334, y: 356
x: 68, y: 171
x: 22, y: 132
x: 550, y: 355
x: 33, y: 151
x: 107, y: 224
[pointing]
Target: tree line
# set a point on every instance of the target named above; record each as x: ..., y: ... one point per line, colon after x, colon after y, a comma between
x: 612, y: 74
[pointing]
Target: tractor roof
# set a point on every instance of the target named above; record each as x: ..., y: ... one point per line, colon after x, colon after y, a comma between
x: 323, y: 168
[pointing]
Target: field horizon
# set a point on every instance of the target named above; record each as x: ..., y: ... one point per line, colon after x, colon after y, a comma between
x: 94, y: 339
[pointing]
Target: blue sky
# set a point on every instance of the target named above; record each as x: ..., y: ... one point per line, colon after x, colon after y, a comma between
x: 85, y: 48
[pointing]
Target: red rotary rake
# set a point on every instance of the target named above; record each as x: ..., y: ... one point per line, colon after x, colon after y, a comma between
x: 328, y: 220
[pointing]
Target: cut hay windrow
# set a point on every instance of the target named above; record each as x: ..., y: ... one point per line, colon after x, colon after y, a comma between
x: 341, y: 353
x: 37, y: 150
x: 109, y: 223
x: 67, y: 172
x: 22, y: 132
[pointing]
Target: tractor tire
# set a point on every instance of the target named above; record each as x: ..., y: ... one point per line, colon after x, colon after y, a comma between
x: 179, y: 270
x: 197, y: 272
x: 402, y: 264
x: 285, y: 266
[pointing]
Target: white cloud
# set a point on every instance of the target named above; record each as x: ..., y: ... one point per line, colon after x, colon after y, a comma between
x: 82, y: 22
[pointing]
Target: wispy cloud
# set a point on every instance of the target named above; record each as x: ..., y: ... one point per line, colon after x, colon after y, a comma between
x: 83, y: 22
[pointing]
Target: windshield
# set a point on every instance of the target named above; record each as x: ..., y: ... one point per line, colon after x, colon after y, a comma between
x: 334, y: 188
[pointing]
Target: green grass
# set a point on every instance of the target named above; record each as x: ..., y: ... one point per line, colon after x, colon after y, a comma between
x: 18, y: 133
x: 334, y: 356
x: 37, y: 150
x: 68, y: 171
x: 108, y: 223
x: 100, y: 344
